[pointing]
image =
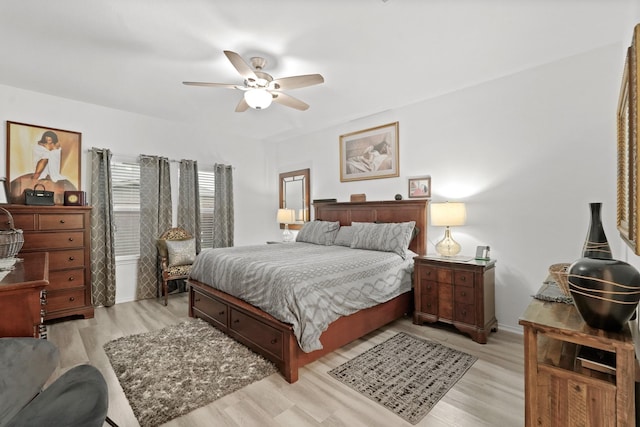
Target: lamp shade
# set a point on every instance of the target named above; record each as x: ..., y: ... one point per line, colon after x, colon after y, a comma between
x: 448, y: 214
x: 258, y: 98
x: 286, y: 216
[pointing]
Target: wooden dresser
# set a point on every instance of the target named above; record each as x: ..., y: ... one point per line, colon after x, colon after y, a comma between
x: 65, y: 233
x: 457, y: 292
x: 22, y: 298
x: 558, y: 390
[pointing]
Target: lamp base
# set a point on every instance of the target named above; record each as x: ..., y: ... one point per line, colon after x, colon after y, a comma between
x: 287, y: 235
x: 447, y: 247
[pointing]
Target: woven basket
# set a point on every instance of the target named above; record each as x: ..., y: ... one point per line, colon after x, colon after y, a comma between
x: 559, y: 273
x: 11, y: 240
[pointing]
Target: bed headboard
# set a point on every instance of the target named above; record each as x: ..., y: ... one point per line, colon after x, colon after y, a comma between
x: 387, y: 211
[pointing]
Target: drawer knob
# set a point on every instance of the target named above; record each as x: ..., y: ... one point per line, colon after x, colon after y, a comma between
x: 274, y: 341
x: 464, y: 312
x: 62, y: 221
x: 72, y: 299
x: 71, y: 239
x: 71, y: 278
x: 197, y: 299
x: 463, y: 293
x: 71, y: 258
x: 220, y: 313
x: 236, y: 321
x: 463, y: 278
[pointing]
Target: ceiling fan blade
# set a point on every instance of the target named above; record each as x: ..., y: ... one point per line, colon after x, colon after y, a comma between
x: 243, y: 68
x: 224, y: 85
x: 296, y: 82
x: 242, y: 106
x: 289, y: 101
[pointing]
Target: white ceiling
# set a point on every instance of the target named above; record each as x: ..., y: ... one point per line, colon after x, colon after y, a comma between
x: 133, y: 54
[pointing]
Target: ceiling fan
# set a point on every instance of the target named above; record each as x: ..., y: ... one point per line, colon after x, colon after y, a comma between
x: 260, y: 89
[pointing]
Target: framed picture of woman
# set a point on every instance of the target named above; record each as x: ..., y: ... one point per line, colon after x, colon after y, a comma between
x: 370, y: 153
x: 42, y: 155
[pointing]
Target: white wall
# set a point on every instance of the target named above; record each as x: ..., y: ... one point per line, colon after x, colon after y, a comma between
x: 527, y: 153
x: 132, y: 134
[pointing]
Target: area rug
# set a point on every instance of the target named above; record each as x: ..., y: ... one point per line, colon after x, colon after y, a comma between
x: 405, y: 374
x: 170, y: 372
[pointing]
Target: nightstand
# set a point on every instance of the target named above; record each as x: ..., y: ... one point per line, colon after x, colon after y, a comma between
x: 461, y: 293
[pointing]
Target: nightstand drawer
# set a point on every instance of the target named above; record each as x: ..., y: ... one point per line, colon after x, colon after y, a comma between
x: 465, y: 313
x: 463, y: 278
x: 464, y: 295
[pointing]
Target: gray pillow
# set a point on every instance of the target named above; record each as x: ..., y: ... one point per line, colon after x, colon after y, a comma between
x: 181, y: 252
x: 318, y: 232
x: 345, y: 236
x: 389, y: 237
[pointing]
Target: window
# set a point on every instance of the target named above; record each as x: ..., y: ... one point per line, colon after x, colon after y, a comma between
x: 125, y: 178
x: 206, y: 188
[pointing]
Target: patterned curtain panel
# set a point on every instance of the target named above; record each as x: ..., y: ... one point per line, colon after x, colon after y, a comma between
x: 223, y: 221
x: 103, y: 260
x: 155, y: 218
x: 189, y: 199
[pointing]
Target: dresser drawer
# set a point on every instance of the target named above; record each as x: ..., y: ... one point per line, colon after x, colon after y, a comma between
x: 62, y: 240
x: 72, y: 258
x: 25, y: 221
x: 66, y: 279
x: 268, y: 338
x: 463, y: 278
x: 60, y: 221
x: 216, y: 310
x: 60, y: 300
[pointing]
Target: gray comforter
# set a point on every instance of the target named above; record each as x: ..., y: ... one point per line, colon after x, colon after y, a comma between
x: 306, y: 285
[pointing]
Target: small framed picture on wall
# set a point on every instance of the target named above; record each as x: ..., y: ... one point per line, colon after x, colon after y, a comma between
x: 419, y: 187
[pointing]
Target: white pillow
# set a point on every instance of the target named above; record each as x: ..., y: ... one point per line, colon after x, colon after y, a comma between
x: 386, y: 237
x: 318, y: 232
x: 181, y: 252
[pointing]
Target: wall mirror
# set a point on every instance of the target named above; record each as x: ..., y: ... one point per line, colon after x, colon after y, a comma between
x: 294, y: 194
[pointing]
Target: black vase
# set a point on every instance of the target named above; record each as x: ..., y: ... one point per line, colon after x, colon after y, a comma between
x: 596, y: 244
x: 605, y: 291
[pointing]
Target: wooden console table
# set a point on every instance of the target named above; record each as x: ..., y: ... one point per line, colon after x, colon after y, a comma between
x: 21, y: 298
x: 557, y: 391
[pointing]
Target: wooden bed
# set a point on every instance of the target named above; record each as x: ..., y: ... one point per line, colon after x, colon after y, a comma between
x: 275, y: 340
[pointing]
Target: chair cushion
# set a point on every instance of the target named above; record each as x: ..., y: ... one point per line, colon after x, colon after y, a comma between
x: 179, y: 270
x: 181, y: 252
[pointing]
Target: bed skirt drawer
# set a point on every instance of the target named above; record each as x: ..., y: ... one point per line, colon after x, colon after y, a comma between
x: 266, y: 337
x: 214, y: 309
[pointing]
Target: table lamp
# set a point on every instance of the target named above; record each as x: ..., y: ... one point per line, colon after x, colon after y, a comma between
x: 448, y: 214
x: 286, y: 217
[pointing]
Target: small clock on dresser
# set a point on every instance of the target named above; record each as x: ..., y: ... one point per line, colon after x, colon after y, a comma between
x: 74, y: 198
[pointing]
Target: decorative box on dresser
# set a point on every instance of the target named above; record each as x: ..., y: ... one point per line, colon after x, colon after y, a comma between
x: 65, y: 233
x: 461, y: 293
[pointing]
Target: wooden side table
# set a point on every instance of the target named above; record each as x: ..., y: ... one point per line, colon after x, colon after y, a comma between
x: 21, y: 297
x: 458, y: 292
x: 557, y: 391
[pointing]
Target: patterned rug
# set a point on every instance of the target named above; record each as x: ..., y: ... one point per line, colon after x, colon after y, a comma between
x: 171, y: 372
x: 405, y: 374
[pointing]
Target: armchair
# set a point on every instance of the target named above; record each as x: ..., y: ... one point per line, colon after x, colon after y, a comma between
x: 177, y: 251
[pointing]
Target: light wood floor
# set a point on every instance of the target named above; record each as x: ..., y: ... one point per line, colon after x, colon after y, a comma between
x: 491, y: 393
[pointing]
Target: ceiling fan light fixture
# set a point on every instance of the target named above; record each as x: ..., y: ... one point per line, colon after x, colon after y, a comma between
x: 258, y: 99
